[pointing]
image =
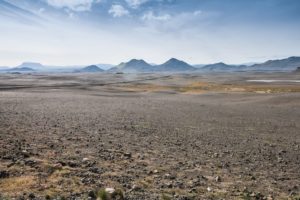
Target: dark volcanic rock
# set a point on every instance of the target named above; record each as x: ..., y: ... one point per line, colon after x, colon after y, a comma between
x: 4, y: 174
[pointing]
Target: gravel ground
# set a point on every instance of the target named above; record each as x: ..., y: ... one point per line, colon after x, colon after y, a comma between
x: 69, y: 136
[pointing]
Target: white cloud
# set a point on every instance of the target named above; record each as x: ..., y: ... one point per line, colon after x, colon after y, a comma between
x: 150, y: 16
x: 197, y: 12
x: 75, y: 5
x: 176, y: 22
x: 135, y: 3
x: 118, y: 11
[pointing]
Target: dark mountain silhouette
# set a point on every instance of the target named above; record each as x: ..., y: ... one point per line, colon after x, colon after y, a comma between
x: 91, y: 68
x: 174, y: 65
x: 31, y: 65
x: 133, y: 66
x: 21, y: 69
x: 220, y: 67
x: 288, y: 64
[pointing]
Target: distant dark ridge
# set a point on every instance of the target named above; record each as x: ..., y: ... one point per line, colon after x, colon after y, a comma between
x: 287, y: 64
x: 133, y: 66
x: 21, y: 69
x: 91, y: 68
x: 174, y: 65
x: 223, y: 67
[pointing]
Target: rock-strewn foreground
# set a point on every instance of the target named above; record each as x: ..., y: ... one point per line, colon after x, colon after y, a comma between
x: 149, y: 136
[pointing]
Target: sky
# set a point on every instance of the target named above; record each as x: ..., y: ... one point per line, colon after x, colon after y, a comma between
x: 83, y: 32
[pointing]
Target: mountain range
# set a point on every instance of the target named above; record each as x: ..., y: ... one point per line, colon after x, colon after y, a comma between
x: 173, y: 65
x: 220, y: 67
x: 134, y: 65
x: 288, y: 64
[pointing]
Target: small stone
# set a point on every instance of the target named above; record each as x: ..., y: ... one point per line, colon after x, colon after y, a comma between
x: 167, y: 175
x: 85, y: 159
x: 72, y: 164
x: 31, y: 196
x: 127, y: 155
x: 25, y: 154
x: 30, y: 163
x: 110, y: 190
x: 92, y: 194
x: 95, y: 170
x: 216, y: 155
x: 218, y: 179
x: 58, y: 166
x: 136, y: 188
x: 209, y: 189
x: 4, y: 174
x: 21, y: 198
x: 169, y: 185
x: 270, y: 197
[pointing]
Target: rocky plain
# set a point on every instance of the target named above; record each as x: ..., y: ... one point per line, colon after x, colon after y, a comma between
x: 149, y: 136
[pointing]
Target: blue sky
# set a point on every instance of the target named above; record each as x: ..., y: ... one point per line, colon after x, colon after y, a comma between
x: 81, y: 32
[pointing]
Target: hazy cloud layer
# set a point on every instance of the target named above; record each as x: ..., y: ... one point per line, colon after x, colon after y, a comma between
x: 135, y: 3
x: 76, y: 5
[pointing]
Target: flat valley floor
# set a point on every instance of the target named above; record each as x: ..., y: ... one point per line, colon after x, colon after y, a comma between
x: 181, y: 136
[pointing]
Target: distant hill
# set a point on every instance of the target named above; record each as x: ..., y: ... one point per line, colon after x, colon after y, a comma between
x: 91, y: 68
x: 174, y: 65
x: 133, y: 66
x: 288, y: 64
x: 222, y: 67
x: 21, y: 69
x: 32, y: 65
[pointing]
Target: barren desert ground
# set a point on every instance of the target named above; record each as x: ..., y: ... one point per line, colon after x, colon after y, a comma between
x: 147, y: 136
